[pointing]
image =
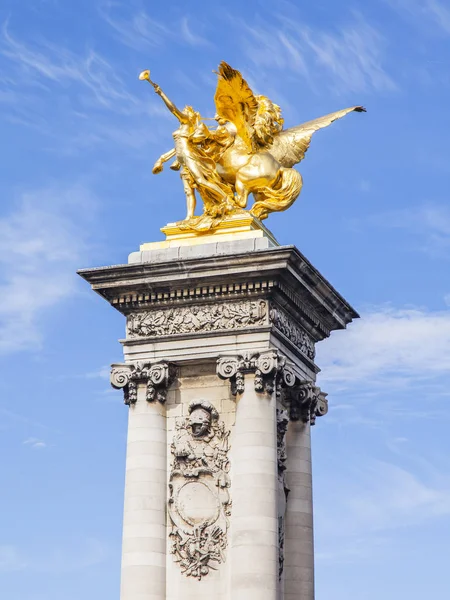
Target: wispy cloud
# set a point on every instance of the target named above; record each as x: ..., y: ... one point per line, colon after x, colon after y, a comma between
x: 102, y: 373
x: 191, y: 37
x: 353, y: 55
x: 372, y: 501
x: 425, y: 12
x: 350, y: 56
x: 429, y: 224
x: 44, y: 64
x: 35, y: 443
x: 387, y: 347
x: 140, y: 31
x: 80, y: 555
x: 42, y: 241
x: 10, y: 559
x: 97, y: 104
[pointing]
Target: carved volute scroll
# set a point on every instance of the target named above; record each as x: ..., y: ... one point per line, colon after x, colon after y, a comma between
x: 231, y: 367
x: 306, y: 402
x: 199, y: 500
x: 157, y: 377
x: 264, y: 365
x: 273, y: 373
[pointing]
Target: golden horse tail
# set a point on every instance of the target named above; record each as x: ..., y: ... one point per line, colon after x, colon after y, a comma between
x: 279, y: 197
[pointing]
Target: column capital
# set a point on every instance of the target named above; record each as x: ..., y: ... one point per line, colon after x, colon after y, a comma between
x: 273, y: 372
x: 264, y: 365
x: 157, y: 376
x: 306, y: 401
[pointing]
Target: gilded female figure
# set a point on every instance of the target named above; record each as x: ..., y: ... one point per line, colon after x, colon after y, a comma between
x: 198, y: 170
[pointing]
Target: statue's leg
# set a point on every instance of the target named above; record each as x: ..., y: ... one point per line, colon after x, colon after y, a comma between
x: 242, y: 193
x: 201, y: 181
x: 190, y: 194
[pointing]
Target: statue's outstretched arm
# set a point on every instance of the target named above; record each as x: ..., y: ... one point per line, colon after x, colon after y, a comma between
x: 158, y: 166
x: 170, y: 105
x: 145, y: 75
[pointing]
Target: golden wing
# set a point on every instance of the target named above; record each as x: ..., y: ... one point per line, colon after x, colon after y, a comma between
x: 236, y: 102
x: 290, y: 145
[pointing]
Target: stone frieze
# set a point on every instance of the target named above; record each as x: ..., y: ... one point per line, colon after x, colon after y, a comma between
x: 284, y: 323
x: 197, y: 318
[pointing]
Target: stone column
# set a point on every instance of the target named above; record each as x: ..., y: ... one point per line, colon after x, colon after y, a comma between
x: 305, y: 402
x: 298, y: 542
x: 144, y: 519
x: 254, y: 534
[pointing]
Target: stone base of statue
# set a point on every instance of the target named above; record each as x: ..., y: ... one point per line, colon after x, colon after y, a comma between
x: 219, y: 377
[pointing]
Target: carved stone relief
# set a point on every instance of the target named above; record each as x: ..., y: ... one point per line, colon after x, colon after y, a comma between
x: 284, y: 323
x: 197, y: 318
x: 156, y: 376
x: 283, y: 490
x: 219, y: 316
x: 199, y: 500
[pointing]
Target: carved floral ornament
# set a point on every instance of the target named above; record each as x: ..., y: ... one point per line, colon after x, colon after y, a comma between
x: 157, y: 377
x: 273, y: 373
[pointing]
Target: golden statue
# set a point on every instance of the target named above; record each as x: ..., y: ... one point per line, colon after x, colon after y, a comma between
x: 249, y: 152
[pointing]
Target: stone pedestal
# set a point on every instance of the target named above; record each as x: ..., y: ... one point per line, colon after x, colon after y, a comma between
x: 219, y: 379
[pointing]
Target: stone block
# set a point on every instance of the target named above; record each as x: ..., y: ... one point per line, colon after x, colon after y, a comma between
x: 252, y: 523
x: 296, y: 478
x: 256, y: 482
x: 298, y: 574
x: 261, y: 559
x: 144, y: 544
x: 300, y: 559
x: 146, y: 434
x: 137, y: 511
x: 154, y: 451
x: 297, y: 534
x: 153, y: 534
x: 303, y: 519
x: 300, y: 492
x: 138, y: 580
x: 148, y: 559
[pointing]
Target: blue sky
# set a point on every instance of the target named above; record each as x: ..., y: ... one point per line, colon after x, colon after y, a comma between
x: 80, y: 134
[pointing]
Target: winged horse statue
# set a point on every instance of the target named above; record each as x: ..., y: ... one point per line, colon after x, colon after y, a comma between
x: 249, y: 152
